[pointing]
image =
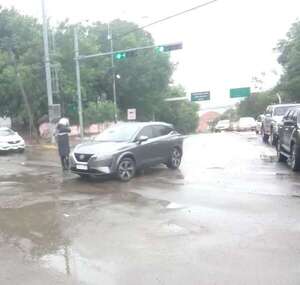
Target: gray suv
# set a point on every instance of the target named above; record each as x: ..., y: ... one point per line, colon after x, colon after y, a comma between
x: 126, y: 147
x: 273, y: 116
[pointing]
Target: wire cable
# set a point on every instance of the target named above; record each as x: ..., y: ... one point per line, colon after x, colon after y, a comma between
x: 168, y: 18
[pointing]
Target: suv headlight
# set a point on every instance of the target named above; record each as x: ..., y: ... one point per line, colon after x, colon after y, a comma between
x: 102, y: 156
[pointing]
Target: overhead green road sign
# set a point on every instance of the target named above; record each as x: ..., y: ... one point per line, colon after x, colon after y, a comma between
x: 200, y: 96
x: 240, y: 92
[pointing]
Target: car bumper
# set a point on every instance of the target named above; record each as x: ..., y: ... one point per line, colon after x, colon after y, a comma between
x: 12, y: 147
x: 221, y: 129
x: 245, y: 129
x: 91, y: 167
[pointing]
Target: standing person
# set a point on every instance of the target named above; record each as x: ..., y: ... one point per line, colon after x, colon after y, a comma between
x: 62, y: 139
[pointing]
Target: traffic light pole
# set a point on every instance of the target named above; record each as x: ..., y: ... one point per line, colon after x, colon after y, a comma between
x: 78, y: 57
x: 109, y: 36
x: 76, y: 46
x: 48, y: 69
x: 81, y: 57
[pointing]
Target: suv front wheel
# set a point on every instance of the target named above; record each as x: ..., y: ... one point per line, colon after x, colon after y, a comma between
x: 295, y: 158
x: 126, y: 169
x: 280, y: 156
x: 265, y: 137
x: 273, y: 140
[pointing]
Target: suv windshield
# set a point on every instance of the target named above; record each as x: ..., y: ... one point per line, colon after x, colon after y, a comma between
x: 7, y: 132
x: 280, y: 111
x: 118, y: 133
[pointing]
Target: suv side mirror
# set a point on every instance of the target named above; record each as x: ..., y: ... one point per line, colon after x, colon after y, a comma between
x: 142, y: 139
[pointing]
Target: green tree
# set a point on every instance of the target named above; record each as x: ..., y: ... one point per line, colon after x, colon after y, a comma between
x: 182, y: 114
x: 289, y: 58
x: 21, y: 85
x: 256, y: 104
x: 142, y: 79
x: 99, y: 112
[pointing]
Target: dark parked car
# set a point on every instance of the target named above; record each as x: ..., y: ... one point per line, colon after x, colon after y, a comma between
x: 288, y: 146
x: 126, y: 147
x: 273, y: 116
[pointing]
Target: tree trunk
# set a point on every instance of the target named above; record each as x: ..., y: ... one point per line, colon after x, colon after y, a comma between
x: 32, y: 129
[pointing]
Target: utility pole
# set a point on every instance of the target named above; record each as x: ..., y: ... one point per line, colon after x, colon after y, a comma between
x: 76, y: 46
x: 279, y: 98
x: 47, y: 68
x: 109, y: 37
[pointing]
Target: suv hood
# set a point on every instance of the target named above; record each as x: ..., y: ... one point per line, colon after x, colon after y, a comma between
x: 14, y: 137
x: 100, y: 147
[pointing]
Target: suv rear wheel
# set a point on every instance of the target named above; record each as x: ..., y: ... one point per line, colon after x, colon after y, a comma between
x: 175, y: 158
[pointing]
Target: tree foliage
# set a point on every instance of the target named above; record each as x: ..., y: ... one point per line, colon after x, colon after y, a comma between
x: 99, y: 112
x: 289, y: 58
x: 21, y: 66
x: 256, y: 104
x: 142, y: 82
x: 182, y: 114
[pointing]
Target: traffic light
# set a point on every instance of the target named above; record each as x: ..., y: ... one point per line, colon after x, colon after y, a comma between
x: 170, y: 47
x: 123, y: 55
x: 120, y: 55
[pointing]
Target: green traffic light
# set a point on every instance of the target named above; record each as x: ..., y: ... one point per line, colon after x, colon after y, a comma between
x: 120, y: 55
x: 160, y: 49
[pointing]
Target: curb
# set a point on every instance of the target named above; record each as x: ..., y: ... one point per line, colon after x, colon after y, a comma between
x: 44, y: 146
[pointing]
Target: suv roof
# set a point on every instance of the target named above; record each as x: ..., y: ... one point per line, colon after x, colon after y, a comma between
x: 285, y: 105
x: 144, y: 124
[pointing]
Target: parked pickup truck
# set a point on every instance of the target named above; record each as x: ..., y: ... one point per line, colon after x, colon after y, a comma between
x: 273, y: 116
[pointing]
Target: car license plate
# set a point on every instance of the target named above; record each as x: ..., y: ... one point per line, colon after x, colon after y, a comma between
x: 81, y: 167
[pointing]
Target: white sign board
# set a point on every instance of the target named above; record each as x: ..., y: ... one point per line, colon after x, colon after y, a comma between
x: 131, y: 114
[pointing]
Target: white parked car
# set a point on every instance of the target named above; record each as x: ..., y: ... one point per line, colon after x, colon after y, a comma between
x: 10, y: 140
x: 246, y: 124
x: 223, y: 125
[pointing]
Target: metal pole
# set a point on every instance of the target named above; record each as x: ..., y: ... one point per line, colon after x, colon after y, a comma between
x: 76, y: 46
x: 279, y: 98
x: 109, y: 36
x: 47, y: 67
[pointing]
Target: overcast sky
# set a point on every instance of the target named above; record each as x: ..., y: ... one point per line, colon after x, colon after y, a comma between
x: 225, y: 44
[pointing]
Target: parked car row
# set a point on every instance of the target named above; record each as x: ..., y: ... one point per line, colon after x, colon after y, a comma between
x: 243, y: 124
x: 280, y: 127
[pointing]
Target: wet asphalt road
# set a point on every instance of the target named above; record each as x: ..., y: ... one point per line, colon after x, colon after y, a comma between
x: 230, y: 215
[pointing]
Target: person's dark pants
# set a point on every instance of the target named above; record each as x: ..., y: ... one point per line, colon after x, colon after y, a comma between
x: 64, y: 162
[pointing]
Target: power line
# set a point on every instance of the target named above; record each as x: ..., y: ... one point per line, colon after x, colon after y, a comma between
x: 168, y: 18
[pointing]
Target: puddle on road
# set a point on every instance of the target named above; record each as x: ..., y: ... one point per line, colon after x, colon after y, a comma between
x: 268, y: 157
x: 88, y: 270
x: 216, y: 168
x: 283, y: 175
